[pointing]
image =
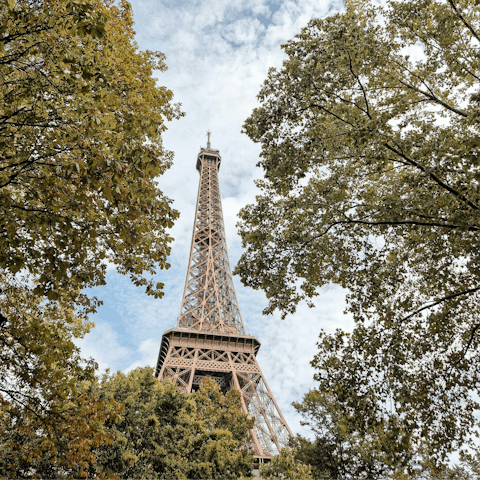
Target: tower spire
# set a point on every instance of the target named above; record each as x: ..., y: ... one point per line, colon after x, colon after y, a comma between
x: 210, y: 338
x: 208, y: 139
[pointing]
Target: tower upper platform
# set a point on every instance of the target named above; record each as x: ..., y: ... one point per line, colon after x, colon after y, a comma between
x: 208, y: 154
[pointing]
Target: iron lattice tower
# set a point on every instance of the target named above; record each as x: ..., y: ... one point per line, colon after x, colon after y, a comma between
x: 210, y: 338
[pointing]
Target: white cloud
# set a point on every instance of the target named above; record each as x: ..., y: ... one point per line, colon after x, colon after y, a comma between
x: 147, y: 354
x: 103, y: 345
x: 244, y: 31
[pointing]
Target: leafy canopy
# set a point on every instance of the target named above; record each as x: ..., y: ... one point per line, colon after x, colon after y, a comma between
x: 165, y: 433
x: 49, y: 424
x: 284, y: 465
x: 371, y: 158
x: 81, y: 123
x: 362, y: 442
x: 81, y: 120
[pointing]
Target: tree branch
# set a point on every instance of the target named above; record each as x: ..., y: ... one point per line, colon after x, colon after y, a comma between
x: 472, y: 31
x: 433, y: 177
x: 440, y: 300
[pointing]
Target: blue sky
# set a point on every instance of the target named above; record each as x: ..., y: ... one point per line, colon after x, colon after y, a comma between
x: 218, y: 54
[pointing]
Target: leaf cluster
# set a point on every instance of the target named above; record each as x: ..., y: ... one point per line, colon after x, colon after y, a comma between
x: 355, y: 438
x: 48, y: 423
x: 81, y: 119
x: 286, y: 466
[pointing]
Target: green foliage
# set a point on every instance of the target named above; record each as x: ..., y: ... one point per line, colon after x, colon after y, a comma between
x: 81, y: 119
x: 371, y: 157
x: 165, y: 433
x: 48, y: 423
x: 285, y: 466
x: 353, y: 439
x: 359, y: 441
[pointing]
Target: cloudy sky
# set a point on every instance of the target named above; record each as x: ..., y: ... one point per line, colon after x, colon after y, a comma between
x: 218, y: 54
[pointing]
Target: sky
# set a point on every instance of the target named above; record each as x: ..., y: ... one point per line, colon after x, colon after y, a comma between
x: 218, y: 55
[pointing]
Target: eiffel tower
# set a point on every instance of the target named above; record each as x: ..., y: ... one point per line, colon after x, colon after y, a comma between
x: 210, y: 338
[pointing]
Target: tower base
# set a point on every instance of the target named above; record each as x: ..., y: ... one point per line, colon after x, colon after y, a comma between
x: 187, y: 356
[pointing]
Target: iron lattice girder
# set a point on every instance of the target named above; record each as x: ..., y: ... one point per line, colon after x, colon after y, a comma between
x: 209, y: 301
x: 210, y: 338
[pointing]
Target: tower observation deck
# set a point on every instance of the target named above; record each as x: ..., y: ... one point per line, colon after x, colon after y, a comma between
x: 210, y: 338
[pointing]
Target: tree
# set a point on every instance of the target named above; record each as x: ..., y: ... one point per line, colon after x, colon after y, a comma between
x: 81, y: 121
x: 371, y: 150
x: 355, y: 439
x: 49, y: 424
x: 80, y: 137
x: 165, y: 433
x: 284, y: 465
